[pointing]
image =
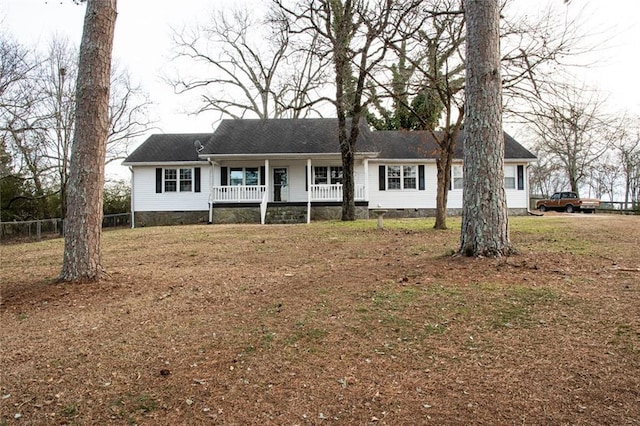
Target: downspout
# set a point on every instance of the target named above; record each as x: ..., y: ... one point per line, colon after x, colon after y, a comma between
x: 133, y: 213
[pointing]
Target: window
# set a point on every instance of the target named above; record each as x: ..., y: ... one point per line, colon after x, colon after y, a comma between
x: 320, y: 176
x: 170, y: 180
x: 510, y: 177
x: 457, y: 177
x: 239, y: 176
x: 177, y: 180
x: 409, y: 177
x: 236, y: 177
x: 185, y: 180
x: 393, y: 177
x: 323, y: 175
x: 251, y: 176
x: 401, y: 177
x: 336, y: 174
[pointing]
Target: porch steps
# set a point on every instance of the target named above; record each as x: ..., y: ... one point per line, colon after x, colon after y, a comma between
x: 285, y: 214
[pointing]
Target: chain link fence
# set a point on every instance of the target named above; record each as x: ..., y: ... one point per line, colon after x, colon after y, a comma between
x: 34, y: 230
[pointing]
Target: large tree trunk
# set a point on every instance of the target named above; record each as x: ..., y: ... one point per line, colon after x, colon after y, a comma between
x: 348, y: 187
x: 485, y: 230
x: 83, y: 224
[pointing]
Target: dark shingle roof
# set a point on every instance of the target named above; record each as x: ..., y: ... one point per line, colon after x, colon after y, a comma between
x: 279, y: 136
x: 421, y: 144
x: 168, y: 147
x: 296, y: 136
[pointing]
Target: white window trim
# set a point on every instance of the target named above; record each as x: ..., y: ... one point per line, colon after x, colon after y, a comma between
x: 177, y: 180
x: 402, y: 177
x: 514, y: 175
x: 244, y: 175
x: 328, y: 176
x: 454, y: 176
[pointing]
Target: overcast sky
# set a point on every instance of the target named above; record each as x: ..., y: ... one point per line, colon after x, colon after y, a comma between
x: 142, y: 44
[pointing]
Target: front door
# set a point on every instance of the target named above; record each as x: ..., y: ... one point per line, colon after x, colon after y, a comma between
x: 280, y: 184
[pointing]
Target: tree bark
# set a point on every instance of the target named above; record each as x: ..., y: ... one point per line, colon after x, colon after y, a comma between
x: 83, y: 224
x: 485, y: 230
x: 443, y: 165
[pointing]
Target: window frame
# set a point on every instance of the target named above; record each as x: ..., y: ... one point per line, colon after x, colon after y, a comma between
x: 402, y: 177
x: 185, y: 177
x: 242, y: 181
x: 329, y: 175
x: 170, y: 177
x: 511, y: 178
x: 412, y: 176
x: 457, y: 177
x: 177, y: 177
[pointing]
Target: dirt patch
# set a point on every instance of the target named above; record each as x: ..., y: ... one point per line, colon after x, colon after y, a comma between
x: 328, y: 323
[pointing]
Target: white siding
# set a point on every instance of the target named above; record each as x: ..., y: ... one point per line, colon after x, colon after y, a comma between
x: 296, y: 191
x: 402, y: 199
x: 145, y: 197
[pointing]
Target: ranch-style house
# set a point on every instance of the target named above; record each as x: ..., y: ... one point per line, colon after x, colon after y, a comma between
x: 289, y: 171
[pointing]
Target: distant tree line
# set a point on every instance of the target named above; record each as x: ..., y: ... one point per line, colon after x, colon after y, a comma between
x: 37, y: 121
x: 400, y: 66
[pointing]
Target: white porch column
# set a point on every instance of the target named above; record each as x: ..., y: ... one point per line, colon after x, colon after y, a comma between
x: 212, y: 168
x: 309, y: 190
x: 266, y: 177
x: 365, y: 164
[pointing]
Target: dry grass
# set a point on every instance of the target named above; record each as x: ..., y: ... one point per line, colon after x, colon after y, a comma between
x: 333, y: 323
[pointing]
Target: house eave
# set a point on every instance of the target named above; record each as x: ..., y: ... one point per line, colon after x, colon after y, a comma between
x: 165, y: 163
x: 520, y: 160
x: 284, y: 156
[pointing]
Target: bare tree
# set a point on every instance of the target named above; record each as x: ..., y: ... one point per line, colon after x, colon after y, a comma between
x: 355, y: 34
x: 441, y: 72
x: 485, y: 226
x: 534, y: 50
x: 39, y: 124
x: 249, y: 68
x: 128, y: 113
x: 21, y: 125
x: 83, y: 230
x: 573, y: 127
x: 604, y: 177
x: 56, y: 81
x: 538, y: 50
x: 628, y: 150
x: 545, y: 175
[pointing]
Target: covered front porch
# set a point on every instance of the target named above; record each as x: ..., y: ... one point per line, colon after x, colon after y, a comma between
x: 280, y: 182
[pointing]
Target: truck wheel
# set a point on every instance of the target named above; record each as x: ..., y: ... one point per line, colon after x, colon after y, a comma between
x: 542, y: 208
x: 569, y: 208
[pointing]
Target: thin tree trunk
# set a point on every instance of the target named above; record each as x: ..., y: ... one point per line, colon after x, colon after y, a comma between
x: 485, y: 230
x: 83, y: 224
x: 443, y: 165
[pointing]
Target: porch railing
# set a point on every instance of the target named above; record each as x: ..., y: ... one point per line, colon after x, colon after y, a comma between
x: 239, y: 194
x: 334, y: 192
x: 256, y: 193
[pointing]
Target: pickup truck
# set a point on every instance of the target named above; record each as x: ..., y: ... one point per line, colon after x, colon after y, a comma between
x: 569, y: 202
